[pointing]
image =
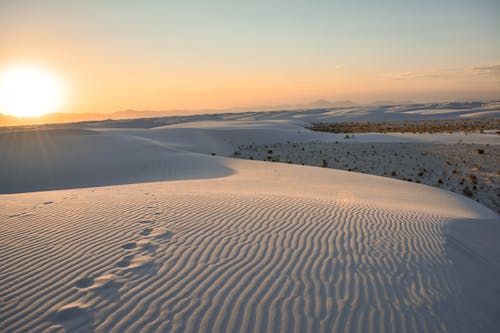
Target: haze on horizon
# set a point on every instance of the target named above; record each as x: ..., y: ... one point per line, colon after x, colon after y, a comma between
x: 160, y: 55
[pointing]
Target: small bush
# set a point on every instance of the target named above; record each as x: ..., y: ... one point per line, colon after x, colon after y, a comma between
x: 467, y: 191
x: 480, y: 151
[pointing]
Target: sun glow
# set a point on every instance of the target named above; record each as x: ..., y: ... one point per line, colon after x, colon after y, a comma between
x: 29, y: 91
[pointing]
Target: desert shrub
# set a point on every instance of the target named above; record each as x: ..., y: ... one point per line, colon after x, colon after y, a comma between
x: 480, y: 151
x: 467, y: 191
x: 440, y: 181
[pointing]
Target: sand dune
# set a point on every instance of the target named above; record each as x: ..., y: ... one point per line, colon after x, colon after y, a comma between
x: 232, y: 245
x: 48, y: 161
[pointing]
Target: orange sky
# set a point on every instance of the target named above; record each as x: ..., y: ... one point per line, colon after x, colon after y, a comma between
x: 124, y: 55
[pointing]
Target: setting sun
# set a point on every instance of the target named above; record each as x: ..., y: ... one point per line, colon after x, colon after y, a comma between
x: 29, y: 91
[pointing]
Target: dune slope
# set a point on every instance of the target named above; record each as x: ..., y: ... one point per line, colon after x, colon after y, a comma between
x: 281, y: 248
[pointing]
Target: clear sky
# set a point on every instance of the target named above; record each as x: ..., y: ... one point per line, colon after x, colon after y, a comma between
x: 158, y: 55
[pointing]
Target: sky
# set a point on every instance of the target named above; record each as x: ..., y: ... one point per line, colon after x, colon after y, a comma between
x: 159, y: 55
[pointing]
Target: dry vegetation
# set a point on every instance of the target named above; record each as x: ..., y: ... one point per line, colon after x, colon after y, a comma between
x: 413, y: 126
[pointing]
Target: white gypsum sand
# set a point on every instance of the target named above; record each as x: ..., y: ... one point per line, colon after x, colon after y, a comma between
x: 146, y: 230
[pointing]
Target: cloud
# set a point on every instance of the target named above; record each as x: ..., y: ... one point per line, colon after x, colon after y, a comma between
x: 493, y: 70
x: 417, y: 75
x: 413, y: 75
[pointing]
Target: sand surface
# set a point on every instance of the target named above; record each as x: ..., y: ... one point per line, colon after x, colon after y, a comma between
x: 152, y: 230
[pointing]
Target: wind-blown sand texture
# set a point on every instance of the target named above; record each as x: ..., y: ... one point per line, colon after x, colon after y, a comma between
x: 231, y: 245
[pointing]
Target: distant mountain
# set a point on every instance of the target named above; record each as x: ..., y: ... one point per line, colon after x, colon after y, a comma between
x: 384, y: 102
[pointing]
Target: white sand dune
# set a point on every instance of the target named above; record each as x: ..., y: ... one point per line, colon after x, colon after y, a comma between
x: 231, y: 245
x: 50, y: 160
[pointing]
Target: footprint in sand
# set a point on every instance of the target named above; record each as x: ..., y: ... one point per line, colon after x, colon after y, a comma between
x: 89, y: 283
x: 146, y: 231
x: 161, y: 233
x: 124, y: 262
x: 129, y: 246
x: 147, y: 244
x: 157, y: 232
x: 84, y: 283
x: 134, y: 261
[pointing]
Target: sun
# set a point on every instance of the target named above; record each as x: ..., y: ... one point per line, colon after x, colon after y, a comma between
x: 29, y: 91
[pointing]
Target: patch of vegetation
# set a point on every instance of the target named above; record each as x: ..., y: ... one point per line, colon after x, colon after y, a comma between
x: 467, y: 191
x: 410, y: 126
